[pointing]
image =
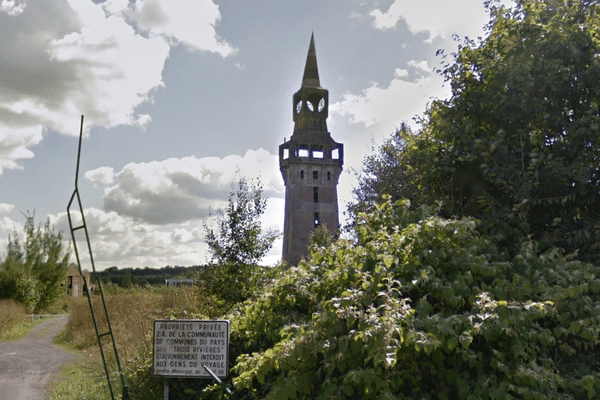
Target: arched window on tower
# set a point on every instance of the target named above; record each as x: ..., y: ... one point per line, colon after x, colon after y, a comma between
x: 335, y: 154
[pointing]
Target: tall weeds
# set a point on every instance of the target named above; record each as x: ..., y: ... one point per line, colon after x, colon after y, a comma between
x: 132, y: 315
x: 11, y: 314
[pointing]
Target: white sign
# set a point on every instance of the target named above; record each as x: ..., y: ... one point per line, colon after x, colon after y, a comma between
x: 183, y: 347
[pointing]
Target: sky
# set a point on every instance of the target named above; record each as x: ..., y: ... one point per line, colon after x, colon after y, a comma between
x: 182, y: 97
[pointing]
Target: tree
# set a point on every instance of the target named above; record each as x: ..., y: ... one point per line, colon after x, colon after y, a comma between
x: 238, y: 244
x: 383, y: 174
x: 421, y: 307
x: 395, y: 171
x: 126, y: 280
x: 518, y: 143
x: 35, y: 268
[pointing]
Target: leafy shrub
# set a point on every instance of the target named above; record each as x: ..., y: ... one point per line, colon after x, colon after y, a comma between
x: 35, y: 267
x: 237, y: 243
x: 132, y: 313
x: 421, y: 308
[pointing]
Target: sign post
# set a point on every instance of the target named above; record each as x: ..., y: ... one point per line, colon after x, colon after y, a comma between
x: 183, y: 348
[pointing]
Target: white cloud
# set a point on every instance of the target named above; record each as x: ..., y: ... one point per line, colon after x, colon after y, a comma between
x: 402, y: 100
x: 182, y: 189
x: 400, y: 73
x: 419, y: 65
x: 64, y: 58
x: 103, y: 175
x: 273, y: 219
x: 68, y: 58
x: 190, y: 22
x: 12, y: 7
x: 114, y: 67
x: 123, y: 241
x: 15, y: 143
x: 7, y: 228
x: 119, y: 240
x: 439, y: 17
x: 128, y: 242
x: 6, y: 208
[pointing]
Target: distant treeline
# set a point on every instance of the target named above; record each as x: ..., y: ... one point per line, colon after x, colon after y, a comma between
x: 127, y: 277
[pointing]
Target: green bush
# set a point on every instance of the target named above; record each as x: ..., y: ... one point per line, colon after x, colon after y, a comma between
x: 421, y: 308
x: 237, y: 243
x: 35, y: 267
x: 516, y: 144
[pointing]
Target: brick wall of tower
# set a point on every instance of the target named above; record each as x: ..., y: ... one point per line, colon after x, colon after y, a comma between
x: 304, y: 203
x: 311, y: 164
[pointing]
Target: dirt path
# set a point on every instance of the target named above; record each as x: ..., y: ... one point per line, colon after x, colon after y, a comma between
x: 27, y: 364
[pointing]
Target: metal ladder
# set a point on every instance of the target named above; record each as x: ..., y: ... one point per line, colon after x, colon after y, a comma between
x: 109, y: 332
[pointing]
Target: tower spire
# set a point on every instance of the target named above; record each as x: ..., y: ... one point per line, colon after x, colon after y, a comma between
x: 311, y: 72
x: 310, y: 163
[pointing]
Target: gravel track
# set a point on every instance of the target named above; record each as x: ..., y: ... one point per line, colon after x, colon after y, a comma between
x: 27, y: 364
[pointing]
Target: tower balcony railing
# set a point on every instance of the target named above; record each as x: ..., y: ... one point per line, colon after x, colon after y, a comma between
x: 332, y: 155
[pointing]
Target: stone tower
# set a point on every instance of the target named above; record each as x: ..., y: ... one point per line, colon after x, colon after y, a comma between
x: 311, y: 164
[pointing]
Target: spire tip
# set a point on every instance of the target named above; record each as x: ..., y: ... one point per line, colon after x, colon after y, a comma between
x: 311, y: 71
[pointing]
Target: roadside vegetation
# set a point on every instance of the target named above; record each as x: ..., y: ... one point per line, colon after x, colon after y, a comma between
x: 233, y: 277
x: 472, y: 270
x: 132, y: 313
x: 13, y: 320
x: 140, y: 277
x: 83, y: 379
x: 35, y: 266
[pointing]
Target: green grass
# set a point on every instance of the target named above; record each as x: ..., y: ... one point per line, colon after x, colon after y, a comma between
x: 63, y: 340
x: 19, y: 331
x: 132, y: 314
x: 83, y: 379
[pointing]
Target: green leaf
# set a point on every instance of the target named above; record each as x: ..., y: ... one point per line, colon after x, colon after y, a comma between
x: 452, y: 342
x: 465, y: 339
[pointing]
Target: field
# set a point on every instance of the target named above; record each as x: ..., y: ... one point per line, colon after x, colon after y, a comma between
x: 131, y: 313
x: 12, y: 315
